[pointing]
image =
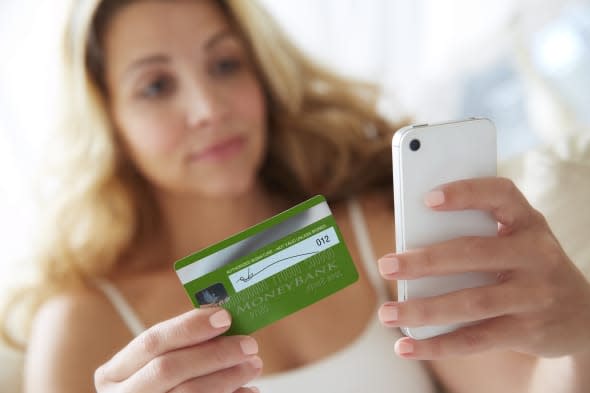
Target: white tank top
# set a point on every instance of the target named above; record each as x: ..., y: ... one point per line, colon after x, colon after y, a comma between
x: 368, y: 364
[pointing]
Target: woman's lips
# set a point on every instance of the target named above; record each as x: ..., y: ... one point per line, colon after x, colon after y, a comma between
x: 219, y: 151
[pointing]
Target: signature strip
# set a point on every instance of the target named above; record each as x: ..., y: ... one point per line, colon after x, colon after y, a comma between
x: 284, y: 259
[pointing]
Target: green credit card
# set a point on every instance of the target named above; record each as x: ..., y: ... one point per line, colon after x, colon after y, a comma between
x: 272, y: 269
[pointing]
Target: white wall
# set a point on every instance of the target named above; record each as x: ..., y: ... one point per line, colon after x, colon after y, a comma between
x: 440, y: 59
x: 28, y: 80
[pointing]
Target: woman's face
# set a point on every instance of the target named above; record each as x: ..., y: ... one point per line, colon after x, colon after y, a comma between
x: 184, y: 97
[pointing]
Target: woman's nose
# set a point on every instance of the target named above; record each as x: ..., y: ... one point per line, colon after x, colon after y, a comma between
x: 204, y: 107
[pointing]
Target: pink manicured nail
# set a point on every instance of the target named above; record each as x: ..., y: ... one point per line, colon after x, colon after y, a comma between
x: 404, y: 347
x: 249, y: 346
x: 220, y: 319
x: 255, y: 362
x: 388, y: 265
x: 254, y: 389
x: 434, y: 198
x: 388, y: 313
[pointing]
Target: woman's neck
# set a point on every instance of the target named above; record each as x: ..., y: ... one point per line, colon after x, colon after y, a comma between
x: 192, y: 223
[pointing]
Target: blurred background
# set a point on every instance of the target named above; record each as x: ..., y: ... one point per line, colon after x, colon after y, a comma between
x: 524, y: 64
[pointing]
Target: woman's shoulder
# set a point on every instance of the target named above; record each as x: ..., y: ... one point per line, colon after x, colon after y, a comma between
x: 73, y: 308
x: 72, y: 333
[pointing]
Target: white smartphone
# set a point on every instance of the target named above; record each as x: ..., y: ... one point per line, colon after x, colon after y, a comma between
x: 424, y: 157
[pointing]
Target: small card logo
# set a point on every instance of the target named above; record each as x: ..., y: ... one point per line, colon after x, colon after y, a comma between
x: 214, y: 295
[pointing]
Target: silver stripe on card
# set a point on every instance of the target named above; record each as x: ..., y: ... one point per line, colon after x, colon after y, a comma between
x: 244, y: 247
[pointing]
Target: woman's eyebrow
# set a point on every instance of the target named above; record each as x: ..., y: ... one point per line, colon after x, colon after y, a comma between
x: 218, y: 37
x: 154, y: 59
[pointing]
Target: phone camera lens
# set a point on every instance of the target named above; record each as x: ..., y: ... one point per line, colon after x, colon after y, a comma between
x: 414, y: 144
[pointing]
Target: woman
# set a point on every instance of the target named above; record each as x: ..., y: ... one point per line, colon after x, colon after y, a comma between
x: 193, y: 120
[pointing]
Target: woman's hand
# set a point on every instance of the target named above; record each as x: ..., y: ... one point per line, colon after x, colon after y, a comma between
x: 540, y: 303
x: 183, y: 354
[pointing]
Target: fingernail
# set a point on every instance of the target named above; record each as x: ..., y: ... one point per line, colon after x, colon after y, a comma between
x: 404, y: 347
x: 249, y: 346
x: 388, y: 265
x: 254, y: 389
x: 220, y: 319
x: 388, y: 313
x: 255, y: 362
x: 434, y: 198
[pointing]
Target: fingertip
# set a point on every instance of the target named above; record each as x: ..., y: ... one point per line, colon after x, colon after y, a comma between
x: 220, y: 319
x: 100, y: 374
x: 248, y: 389
x: 255, y: 362
x: 404, y: 347
x: 388, y: 314
x: 249, y: 345
x: 434, y: 198
x: 388, y: 266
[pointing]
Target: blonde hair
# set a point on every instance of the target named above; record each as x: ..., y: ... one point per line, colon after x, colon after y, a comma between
x: 104, y: 207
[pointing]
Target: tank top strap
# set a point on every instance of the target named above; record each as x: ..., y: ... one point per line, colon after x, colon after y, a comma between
x: 122, y: 306
x: 363, y: 241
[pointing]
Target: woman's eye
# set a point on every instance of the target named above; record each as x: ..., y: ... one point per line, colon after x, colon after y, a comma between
x: 226, y: 66
x: 157, y: 88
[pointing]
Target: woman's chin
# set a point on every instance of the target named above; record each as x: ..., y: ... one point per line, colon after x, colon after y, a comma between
x: 227, y: 189
x: 219, y: 186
